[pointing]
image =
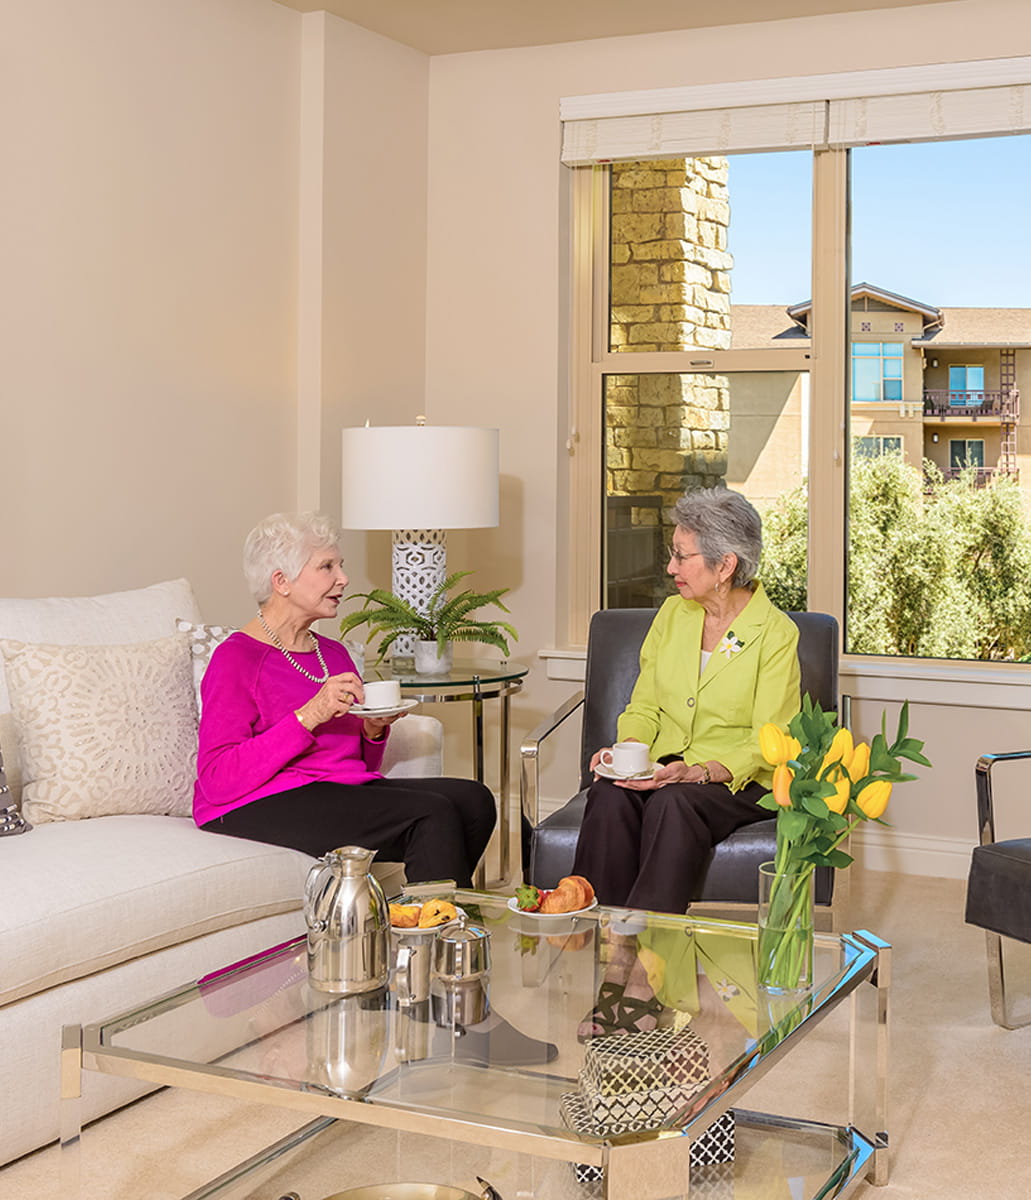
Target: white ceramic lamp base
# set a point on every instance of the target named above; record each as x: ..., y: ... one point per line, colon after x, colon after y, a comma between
x: 419, y: 567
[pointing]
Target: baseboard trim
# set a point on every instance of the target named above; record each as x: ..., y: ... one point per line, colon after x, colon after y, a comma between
x: 877, y: 849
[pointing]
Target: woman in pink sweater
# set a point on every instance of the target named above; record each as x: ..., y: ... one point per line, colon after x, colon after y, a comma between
x: 281, y: 757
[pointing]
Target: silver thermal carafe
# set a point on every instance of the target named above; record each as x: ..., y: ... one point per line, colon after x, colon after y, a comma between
x: 348, y: 923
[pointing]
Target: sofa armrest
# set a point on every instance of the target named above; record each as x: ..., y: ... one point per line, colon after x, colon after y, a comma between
x: 415, y: 749
x: 529, y: 772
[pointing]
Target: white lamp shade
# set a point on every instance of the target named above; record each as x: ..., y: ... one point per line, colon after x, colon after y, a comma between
x: 419, y: 477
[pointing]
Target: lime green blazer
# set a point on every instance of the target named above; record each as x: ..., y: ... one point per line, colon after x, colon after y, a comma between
x: 752, y: 677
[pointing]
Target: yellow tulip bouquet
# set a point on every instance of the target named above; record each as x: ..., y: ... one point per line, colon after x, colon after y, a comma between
x: 824, y: 785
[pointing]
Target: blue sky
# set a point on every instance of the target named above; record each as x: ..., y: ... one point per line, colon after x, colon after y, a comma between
x: 946, y: 223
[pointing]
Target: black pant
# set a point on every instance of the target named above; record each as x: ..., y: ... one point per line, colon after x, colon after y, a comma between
x: 438, y: 827
x: 650, y: 849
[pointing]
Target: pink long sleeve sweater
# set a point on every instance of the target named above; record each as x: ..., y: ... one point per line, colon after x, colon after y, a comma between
x: 251, y: 743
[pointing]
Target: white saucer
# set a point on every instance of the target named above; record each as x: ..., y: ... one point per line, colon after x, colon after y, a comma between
x: 608, y: 773
x: 359, y: 710
x: 513, y: 906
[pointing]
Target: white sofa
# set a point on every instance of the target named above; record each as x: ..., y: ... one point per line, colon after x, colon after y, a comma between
x: 102, y: 912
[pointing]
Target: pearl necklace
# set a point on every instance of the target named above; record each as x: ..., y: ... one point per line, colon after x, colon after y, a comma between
x: 290, y: 658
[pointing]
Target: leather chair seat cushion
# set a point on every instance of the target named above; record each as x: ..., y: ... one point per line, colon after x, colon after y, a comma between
x: 732, y: 874
x: 999, y: 888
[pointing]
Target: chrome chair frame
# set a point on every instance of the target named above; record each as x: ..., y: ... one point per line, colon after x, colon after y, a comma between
x: 1000, y: 1008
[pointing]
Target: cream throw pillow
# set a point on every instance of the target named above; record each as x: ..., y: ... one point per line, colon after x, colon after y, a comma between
x: 103, y: 729
x: 203, y: 641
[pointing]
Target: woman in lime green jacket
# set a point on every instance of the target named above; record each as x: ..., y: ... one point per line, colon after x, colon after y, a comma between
x: 718, y: 662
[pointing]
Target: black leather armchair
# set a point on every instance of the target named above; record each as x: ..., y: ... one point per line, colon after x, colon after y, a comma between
x: 613, y: 654
x: 998, y: 888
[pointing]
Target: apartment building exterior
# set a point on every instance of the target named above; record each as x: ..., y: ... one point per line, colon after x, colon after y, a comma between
x: 933, y: 383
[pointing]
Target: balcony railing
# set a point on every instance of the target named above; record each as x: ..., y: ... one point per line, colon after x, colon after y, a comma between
x: 982, y: 475
x: 949, y: 402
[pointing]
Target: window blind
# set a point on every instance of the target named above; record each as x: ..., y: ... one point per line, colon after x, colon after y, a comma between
x: 924, y: 103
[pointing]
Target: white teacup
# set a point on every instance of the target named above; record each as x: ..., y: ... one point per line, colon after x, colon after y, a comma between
x: 382, y: 693
x: 627, y: 758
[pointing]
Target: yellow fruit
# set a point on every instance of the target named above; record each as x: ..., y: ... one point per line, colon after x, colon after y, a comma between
x: 773, y: 744
x: 782, y: 777
x: 873, y: 799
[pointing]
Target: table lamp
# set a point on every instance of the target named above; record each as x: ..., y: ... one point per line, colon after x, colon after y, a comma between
x: 419, y: 481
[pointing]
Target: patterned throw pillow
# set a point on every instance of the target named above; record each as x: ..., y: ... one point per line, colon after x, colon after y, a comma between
x: 203, y: 640
x: 103, y: 729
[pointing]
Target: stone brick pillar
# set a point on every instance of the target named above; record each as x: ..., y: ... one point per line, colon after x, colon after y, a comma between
x: 670, y: 279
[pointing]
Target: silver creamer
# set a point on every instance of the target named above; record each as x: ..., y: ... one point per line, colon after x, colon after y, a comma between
x: 348, y: 923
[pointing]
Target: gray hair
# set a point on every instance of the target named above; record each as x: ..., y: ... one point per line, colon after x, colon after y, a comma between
x: 284, y: 542
x: 723, y: 522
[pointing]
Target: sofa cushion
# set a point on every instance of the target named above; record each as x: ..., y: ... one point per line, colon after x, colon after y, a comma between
x: 137, y: 615
x: 103, y: 729
x: 203, y: 640
x: 118, y: 887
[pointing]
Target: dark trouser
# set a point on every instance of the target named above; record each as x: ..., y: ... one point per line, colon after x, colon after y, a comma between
x: 650, y: 849
x: 437, y: 827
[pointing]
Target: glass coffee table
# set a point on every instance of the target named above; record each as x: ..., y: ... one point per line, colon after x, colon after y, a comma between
x: 767, y: 1095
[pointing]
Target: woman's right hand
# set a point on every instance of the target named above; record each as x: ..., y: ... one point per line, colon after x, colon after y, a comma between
x: 333, y: 699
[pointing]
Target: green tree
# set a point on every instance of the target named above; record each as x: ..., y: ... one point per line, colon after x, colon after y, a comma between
x: 937, y: 568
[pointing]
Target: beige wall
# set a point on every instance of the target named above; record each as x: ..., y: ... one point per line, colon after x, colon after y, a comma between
x: 497, y: 215
x: 148, y: 239
x: 372, y: 307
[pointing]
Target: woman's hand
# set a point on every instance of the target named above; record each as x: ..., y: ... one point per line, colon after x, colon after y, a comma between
x: 333, y: 699
x: 682, y: 772
x: 374, y: 728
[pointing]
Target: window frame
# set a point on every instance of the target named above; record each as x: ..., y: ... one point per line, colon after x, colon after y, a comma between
x: 828, y: 361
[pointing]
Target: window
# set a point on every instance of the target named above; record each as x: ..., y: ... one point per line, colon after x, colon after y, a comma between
x: 876, y: 371
x: 939, y: 535
x: 918, y: 319
x: 876, y: 447
x: 668, y: 432
x: 966, y: 452
x: 677, y: 254
x: 966, y: 386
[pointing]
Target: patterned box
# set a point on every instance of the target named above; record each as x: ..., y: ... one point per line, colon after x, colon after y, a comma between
x: 714, y: 1148
x: 640, y: 1080
x: 645, y: 1061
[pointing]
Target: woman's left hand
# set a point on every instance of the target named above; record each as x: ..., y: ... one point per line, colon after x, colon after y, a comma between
x: 679, y: 772
x: 375, y: 727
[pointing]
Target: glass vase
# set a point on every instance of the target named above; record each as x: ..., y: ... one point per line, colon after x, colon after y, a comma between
x: 785, y: 943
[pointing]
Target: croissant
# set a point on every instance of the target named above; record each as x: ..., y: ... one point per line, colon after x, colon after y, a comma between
x: 567, y: 897
x: 404, y: 916
x: 437, y: 912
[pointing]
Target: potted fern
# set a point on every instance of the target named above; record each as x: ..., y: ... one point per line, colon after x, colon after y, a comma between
x: 448, y: 619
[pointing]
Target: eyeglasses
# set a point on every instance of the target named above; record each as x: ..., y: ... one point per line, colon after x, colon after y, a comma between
x: 682, y: 558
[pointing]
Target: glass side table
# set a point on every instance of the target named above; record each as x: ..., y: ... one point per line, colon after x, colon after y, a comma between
x: 474, y: 680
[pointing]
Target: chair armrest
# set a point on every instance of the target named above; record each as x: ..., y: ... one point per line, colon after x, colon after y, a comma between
x: 529, y: 763
x: 983, y: 781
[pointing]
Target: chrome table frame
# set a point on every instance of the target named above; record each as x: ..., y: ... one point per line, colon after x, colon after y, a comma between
x: 480, y: 686
x: 638, y: 1166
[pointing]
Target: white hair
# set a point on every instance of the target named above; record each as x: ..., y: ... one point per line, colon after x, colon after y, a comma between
x: 284, y: 542
x: 723, y: 522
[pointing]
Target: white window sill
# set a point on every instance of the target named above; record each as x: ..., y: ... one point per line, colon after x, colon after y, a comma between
x: 921, y: 681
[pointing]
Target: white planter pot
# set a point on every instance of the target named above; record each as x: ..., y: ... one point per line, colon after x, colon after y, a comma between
x: 429, y: 662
